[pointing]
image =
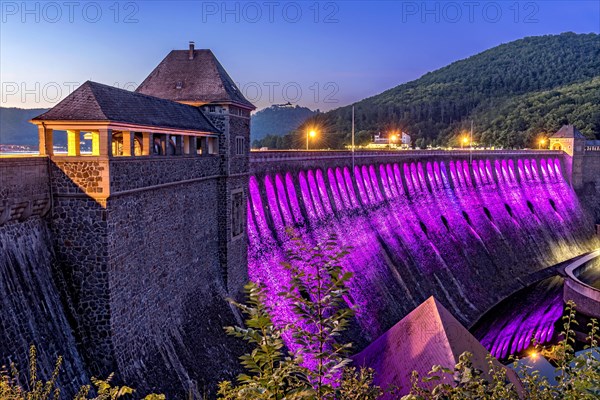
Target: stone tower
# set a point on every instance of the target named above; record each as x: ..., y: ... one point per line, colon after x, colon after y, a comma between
x: 195, y: 77
x: 148, y: 220
x: 572, y: 142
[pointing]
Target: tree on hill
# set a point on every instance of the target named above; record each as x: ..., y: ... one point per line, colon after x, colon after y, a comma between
x: 487, y: 87
x: 277, y: 120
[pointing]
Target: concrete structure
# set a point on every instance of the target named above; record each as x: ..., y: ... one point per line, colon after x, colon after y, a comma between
x: 586, y: 297
x: 582, y: 163
x: 149, y: 229
x: 428, y: 336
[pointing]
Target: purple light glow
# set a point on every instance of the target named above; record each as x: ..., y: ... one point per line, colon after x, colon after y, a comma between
x: 414, y: 233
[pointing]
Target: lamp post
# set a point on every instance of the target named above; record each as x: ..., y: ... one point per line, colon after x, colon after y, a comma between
x: 542, y: 143
x: 464, y: 141
x: 311, y: 133
x: 393, y: 139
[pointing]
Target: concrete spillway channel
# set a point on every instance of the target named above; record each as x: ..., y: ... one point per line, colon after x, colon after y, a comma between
x: 585, y: 296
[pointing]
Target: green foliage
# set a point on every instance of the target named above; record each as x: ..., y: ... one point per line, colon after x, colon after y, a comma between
x: 320, y: 369
x: 578, y: 377
x: 317, y: 293
x: 274, y: 122
x: 11, y: 389
x: 272, y: 372
x: 513, y: 92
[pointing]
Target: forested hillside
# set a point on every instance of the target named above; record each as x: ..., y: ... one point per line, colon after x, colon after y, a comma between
x: 15, y: 128
x: 512, y: 92
x: 277, y: 120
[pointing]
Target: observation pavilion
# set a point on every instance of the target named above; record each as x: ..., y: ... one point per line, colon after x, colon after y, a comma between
x: 124, y: 123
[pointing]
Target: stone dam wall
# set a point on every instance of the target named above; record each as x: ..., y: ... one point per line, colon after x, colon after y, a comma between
x: 469, y: 229
x: 124, y: 264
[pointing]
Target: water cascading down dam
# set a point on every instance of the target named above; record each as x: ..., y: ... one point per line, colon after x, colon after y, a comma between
x: 468, y: 229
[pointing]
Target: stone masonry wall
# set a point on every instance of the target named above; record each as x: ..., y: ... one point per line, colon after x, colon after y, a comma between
x: 589, y: 192
x: 24, y: 188
x: 167, y: 300
x: 134, y: 173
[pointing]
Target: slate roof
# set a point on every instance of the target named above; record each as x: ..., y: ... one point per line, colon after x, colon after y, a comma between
x: 428, y: 336
x: 569, y: 132
x: 201, y: 79
x: 94, y: 101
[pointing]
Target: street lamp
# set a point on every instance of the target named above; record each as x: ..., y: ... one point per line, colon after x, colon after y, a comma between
x: 464, y: 142
x: 393, y: 139
x: 311, y: 134
x: 542, y: 143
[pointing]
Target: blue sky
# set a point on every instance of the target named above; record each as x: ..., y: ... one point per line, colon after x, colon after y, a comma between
x: 317, y: 54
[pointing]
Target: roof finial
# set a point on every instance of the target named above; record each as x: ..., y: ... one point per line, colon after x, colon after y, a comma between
x: 191, y: 54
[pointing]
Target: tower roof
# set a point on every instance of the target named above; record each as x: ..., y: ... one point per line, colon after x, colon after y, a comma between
x: 193, y: 76
x: 94, y: 101
x: 568, y: 132
x: 428, y: 336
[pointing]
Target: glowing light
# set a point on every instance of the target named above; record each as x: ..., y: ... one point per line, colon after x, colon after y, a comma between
x: 310, y: 133
x: 390, y: 216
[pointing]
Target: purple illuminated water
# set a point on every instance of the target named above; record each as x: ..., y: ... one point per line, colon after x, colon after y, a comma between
x: 534, y: 312
x: 461, y: 231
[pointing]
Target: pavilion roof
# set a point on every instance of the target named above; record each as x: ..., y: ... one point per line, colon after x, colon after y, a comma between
x: 195, y: 78
x: 94, y: 101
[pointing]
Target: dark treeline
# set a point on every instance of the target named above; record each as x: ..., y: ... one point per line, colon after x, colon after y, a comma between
x: 277, y: 120
x: 514, y: 92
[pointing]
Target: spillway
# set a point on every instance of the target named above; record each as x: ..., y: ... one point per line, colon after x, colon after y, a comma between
x: 464, y: 230
x: 31, y: 311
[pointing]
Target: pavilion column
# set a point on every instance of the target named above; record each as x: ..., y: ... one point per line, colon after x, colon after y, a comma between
x: 105, y: 142
x: 73, y: 143
x: 46, y: 146
x: 165, y: 143
x: 193, y: 145
x: 178, y: 145
x: 147, y: 143
x: 204, y: 144
x: 189, y: 145
x: 128, y: 146
x: 186, y: 145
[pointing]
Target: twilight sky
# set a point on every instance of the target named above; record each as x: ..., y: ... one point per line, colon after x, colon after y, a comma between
x: 317, y: 54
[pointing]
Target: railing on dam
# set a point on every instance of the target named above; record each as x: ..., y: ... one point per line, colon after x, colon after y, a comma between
x: 295, y: 155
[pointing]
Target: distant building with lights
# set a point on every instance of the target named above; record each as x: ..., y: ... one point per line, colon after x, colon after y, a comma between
x: 380, y: 142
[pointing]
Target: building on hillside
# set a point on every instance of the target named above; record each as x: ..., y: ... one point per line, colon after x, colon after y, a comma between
x: 392, y: 141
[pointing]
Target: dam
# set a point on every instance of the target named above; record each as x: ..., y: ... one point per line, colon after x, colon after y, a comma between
x: 123, y: 259
x: 469, y: 228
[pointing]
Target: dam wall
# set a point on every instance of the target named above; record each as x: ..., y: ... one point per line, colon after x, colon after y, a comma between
x: 589, y: 190
x: 31, y: 310
x: 468, y: 228
x: 124, y: 264
x: 139, y: 267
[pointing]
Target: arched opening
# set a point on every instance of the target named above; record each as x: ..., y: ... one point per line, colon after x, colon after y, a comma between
x: 466, y: 217
x: 445, y: 222
x: 556, y: 146
x: 509, y: 210
x: 423, y: 228
x: 487, y: 213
